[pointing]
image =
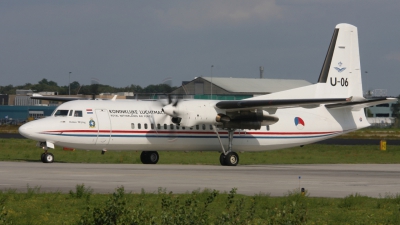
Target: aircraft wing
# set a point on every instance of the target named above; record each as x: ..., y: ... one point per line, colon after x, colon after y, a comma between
x: 278, y: 103
x: 59, y: 99
x: 361, y: 104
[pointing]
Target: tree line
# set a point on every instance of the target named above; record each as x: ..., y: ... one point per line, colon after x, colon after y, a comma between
x: 76, y: 88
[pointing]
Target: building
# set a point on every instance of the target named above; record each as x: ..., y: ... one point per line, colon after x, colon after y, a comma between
x: 234, y: 88
x: 3, y: 99
x: 381, y: 115
x: 20, y: 114
x: 382, y: 110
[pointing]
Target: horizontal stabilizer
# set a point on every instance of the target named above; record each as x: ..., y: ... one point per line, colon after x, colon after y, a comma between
x: 361, y: 104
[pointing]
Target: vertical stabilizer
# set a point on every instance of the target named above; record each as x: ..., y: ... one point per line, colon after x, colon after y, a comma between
x: 341, y: 70
x: 340, y: 75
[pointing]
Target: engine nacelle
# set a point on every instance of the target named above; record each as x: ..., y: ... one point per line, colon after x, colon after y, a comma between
x: 246, y: 119
x: 192, y: 113
x: 256, y: 125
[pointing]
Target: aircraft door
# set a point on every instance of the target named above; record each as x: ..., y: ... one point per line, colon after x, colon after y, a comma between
x: 104, y: 127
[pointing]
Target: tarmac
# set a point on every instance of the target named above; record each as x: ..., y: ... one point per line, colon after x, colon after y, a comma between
x: 338, y: 181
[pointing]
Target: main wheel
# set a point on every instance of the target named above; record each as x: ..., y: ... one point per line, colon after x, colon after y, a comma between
x: 149, y: 157
x: 222, y: 159
x: 144, y: 157
x: 48, y: 158
x: 153, y: 157
x: 231, y: 159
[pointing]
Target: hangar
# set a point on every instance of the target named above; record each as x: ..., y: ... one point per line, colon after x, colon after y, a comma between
x: 229, y: 88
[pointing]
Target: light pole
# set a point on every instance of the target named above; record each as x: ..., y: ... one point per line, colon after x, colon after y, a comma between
x: 69, y: 83
x: 211, y: 79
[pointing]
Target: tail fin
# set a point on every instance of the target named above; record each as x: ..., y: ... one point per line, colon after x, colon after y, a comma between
x: 340, y: 74
x: 340, y: 78
x: 341, y: 69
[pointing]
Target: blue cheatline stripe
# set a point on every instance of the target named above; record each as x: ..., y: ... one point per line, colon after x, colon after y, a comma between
x: 191, y: 136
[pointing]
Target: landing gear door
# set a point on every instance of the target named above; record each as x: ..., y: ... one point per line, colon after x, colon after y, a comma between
x: 103, y: 126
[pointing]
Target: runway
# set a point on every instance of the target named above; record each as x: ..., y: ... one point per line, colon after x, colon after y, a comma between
x: 337, y: 180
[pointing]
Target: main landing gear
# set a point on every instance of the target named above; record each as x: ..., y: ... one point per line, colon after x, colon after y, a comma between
x: 227, y: 158
x: 149, y: 157
x: 230, y: 159
x: 46, y: 157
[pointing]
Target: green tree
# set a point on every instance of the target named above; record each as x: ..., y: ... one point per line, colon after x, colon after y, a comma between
x: 77, y: 88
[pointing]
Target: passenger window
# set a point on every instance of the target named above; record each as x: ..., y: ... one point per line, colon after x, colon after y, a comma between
x: 211, y: 127
x: 139, y: 126
x: 165, y: 126
x: 70, y: 112
x: 183, y: 128
x: 171, y: 126
x: 145, y: 126
x: 197, y: 127
x: 78, y: 113
x: 152, y: 126
x: 61, y: 112
x: 267, y: 127
x: 204, y: 127
x: 158, y: 126
x: 132, y: 126
x: 177, y: 127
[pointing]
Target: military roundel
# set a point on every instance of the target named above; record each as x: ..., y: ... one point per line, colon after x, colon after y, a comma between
x: 299, y: 122
x: 92, y: 124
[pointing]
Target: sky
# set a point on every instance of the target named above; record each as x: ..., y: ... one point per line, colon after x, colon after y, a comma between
x: 124, y: 42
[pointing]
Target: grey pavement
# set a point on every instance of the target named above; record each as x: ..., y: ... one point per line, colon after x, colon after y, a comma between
x: 336, y: 180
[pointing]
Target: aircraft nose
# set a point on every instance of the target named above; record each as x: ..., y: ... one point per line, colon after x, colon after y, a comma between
x: 25, y: 130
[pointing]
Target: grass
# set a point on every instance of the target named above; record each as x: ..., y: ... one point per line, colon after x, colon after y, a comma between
x: 373, y: 133
x: 82, y: 206
x: 9, y: 129
x: 25, y: 150
x: 197, y: 207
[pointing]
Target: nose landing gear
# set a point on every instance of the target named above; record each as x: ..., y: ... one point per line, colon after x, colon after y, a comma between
x: 46, y: 157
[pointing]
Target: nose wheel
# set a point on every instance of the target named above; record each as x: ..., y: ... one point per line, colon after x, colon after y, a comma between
x: 47, y: 157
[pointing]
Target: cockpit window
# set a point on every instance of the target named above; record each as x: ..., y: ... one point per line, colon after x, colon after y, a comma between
x: 61, y: 112
x: 78, y: 113
x: 70, y: 112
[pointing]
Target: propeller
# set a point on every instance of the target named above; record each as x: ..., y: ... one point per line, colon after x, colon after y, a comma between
x: 170, y: 101
x: 170, y: 132
x: 170, y: 109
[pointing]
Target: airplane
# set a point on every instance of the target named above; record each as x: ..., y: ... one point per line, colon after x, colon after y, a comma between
x: 296, y: 117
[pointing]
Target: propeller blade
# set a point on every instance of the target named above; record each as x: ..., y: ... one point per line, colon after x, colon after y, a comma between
x: 175, y: 103
x: 169, y: 99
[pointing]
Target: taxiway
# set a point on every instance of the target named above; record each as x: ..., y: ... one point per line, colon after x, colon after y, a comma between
x: 337, y: 180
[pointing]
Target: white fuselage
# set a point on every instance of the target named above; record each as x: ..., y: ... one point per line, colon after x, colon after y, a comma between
x: 141, y: 125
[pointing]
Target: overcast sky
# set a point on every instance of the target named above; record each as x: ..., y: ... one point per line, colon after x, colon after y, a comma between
x: 145, y: 42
